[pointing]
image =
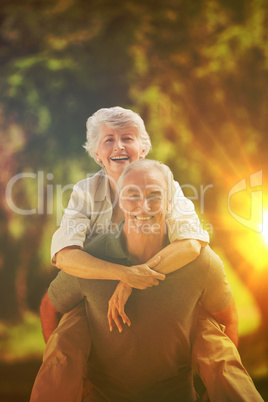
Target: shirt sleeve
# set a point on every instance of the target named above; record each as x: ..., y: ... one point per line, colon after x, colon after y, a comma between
x: 217, y: 294
x: 182, y: 221
x: 64, y: 292
x: 75, y: 223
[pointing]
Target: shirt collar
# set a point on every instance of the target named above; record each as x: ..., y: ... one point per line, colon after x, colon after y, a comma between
x: 114, y: 245
x: 103, y: 187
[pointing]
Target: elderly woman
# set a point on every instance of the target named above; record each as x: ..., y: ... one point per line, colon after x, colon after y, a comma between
x: 115, y: 138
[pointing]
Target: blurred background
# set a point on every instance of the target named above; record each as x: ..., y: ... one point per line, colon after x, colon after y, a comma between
x: 197, y: 73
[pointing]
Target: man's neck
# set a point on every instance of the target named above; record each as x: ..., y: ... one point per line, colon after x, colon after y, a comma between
x: 143, y: 246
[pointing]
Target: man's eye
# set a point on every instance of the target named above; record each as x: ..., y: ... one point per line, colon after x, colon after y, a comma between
x: 133, y: 197
x: 154, y: 198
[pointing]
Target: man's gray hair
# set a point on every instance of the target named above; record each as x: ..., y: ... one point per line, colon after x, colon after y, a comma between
x: 149, y: 165
x: 117, y: 118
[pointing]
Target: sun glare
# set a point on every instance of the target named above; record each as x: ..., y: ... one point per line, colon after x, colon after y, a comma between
x: 264, y: 227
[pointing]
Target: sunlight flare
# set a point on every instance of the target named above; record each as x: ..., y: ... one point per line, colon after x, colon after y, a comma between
x: 264, y: 227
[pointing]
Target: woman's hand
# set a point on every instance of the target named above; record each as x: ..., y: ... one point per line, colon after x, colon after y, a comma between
x: 117, y: 305
x: 142, y: 276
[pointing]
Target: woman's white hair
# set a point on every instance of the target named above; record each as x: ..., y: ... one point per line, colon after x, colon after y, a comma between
x: 117, y: 118
x: 149, y: 165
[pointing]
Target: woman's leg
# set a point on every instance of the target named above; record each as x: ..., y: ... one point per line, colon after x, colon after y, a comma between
x: 218, y: 363
x: 60, y: 378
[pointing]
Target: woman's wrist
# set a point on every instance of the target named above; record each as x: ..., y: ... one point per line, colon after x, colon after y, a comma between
x: 123, y: 274
x: 124, y: 285
x: 120, y: 273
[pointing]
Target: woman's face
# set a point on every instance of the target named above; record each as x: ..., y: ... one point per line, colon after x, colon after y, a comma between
x: 117, y: 149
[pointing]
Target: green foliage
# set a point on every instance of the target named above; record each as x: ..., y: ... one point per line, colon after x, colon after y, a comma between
x: 20, y: 341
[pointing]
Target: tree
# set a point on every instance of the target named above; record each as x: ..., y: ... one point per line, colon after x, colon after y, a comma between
x: 193, y: 81
x: 195, y: 71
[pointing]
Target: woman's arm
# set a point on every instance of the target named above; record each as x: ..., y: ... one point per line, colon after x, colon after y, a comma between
x: 77, y: 262
x: 182, y: 220
x: 177, y: 254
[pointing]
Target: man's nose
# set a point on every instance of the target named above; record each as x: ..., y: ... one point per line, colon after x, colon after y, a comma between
x: 146, y: 205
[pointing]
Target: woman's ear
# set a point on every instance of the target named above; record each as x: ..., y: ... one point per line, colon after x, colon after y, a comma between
x: 142, y: 154
x: 97, y: 157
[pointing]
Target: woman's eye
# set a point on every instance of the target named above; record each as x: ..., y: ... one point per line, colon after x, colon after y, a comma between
x: 109, y: 140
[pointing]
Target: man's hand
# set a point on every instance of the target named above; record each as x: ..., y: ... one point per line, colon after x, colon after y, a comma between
x: 123, y: 291
x: 117, y: 305
x: 142, y: 276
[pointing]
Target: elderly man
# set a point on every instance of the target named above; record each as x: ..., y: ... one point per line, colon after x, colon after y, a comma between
x: 151, y: 359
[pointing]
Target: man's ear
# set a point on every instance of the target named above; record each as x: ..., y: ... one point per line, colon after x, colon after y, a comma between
x: 120, y: 203
x: 169, y: 206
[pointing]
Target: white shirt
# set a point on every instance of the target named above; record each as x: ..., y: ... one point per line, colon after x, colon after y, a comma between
x: 90, y: 209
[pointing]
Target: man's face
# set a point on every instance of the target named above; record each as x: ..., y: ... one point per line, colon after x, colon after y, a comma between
x: 143, y: 199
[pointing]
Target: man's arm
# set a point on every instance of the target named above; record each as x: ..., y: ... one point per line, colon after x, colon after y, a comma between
x: 173, y: 257
x: 50, y: 317
x: 229, y: 318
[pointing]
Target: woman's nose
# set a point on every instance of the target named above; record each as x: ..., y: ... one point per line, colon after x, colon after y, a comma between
x: 118, y: 145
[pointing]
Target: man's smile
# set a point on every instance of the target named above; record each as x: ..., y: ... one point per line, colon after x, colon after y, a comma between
x: 144, y: 218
